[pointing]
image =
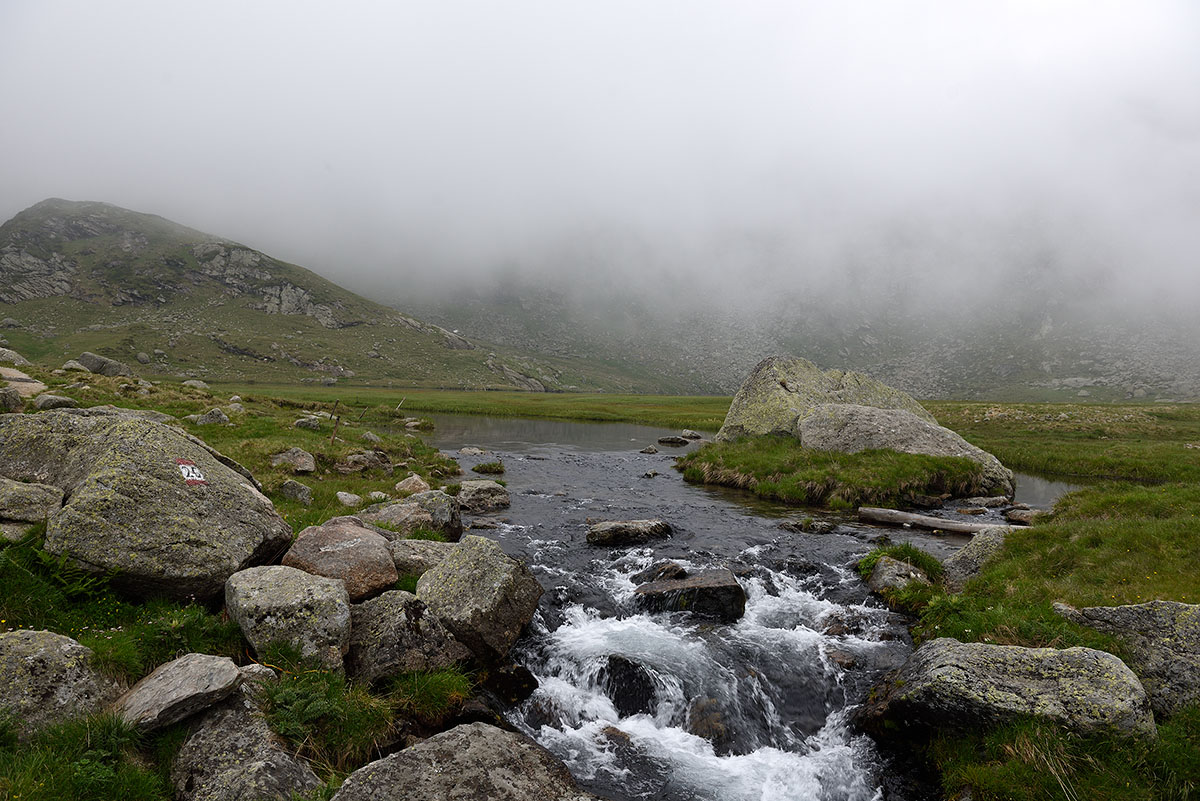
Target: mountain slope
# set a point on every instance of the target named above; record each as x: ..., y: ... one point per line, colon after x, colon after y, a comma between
x: 91, y: 276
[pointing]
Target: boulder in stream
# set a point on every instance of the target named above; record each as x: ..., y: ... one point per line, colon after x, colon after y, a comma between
x: 482, y: 496
x: 627, y: 532
x: 712, y: 594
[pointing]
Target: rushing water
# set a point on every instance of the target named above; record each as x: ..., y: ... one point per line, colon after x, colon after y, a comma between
x: 661, y: 705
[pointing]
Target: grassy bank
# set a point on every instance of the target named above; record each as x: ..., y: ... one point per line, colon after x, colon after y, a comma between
x: 1124, y: 541
x: 699, y: 412
x: 777, y: 468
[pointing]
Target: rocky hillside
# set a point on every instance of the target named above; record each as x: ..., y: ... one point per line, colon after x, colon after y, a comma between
x: 1035, y: 346
x: 78, y: 276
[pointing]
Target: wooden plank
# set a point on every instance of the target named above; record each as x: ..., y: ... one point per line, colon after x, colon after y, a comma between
x: 871, y: 514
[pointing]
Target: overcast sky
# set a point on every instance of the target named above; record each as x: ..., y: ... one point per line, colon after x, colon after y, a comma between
x: 746, y: 143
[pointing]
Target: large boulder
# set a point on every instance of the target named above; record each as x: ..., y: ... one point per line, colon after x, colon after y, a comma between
x: 415, y: 557
x: 781, y: 391
x: 8, y: 356
x: 949, y: 685
x: 485, y: 597
x: 471, y: 761
x: 231, y: 754
x: 433, y: 511
x: 967, y: 562
x: 46, y: 402
x: 28, y: 502
x: 283, y: 605
x: 178, y: 689
x: 482, y: 496
x: 850, y: 428
x: 343, y: 548
x: 46, y: 678
x: 396, y: 633
x: 711, y: 594
x: 627, y: 532
x: 160, y: 509
x: 10, y: 400
x: 893, y: 574
x: 1161, y: 641
x: 102, y: 365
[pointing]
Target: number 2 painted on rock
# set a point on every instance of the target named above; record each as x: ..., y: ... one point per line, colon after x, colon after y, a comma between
x: 191, y: 474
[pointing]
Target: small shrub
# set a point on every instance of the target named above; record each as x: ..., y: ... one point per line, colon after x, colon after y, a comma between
x: 452, y: 489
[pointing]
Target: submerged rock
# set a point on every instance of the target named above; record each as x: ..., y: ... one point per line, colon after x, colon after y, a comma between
x: 713, y: 594
x: 627, y: 532
x: 1162, y: 639
x: 471, y: 761
x: 949, y: 685
x: 485, y: 597
x: 628, y: 685
x: 782, y: 391
x: 161, y: 509
x: 46, y: 678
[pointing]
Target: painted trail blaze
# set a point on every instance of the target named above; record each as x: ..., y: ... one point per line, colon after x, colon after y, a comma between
x: 191, y: 474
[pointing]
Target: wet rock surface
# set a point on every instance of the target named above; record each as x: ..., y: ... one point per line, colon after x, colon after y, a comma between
x: 713, y: 594
x: 627, y: 532
x: 893, y: 574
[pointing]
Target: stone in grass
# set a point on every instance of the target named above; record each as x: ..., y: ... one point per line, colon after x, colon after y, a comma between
x: 412, y: 485
x: 473, y: 760
x: 627, y: 532
x: 482, y: 496
x: 10, y: 400
x: 300, y: 460
x: 102, y: 365
x: 396, y: 633
x: 231, y: 754
x: 310, y: 423
x: 432, y: 511
x: 893, y: 574
x: 947, y: 685
x: 280, y: 604
x: 46, y: 678
x: 1162, y: 643
x: 349, y: 499
x: 178, y: 689
x: 485, y: 597
x: 343, y: 548
x: 967, y: 562
x: 72, y: 366
x: 46, y: 401
x: 294, y: 490
x: 28, y: 502
x: 372, y: 437
x: 195, y: 383
x: 711, y: 594
x: 213, y: 417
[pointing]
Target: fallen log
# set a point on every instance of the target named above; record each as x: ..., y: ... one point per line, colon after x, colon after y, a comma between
x: 871, y: 514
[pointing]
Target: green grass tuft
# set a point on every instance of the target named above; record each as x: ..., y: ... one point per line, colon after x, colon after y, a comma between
x: 927, y: 563
x: 490, y: 468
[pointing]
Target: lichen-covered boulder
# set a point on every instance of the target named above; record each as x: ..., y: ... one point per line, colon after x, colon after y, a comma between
x: 850, y: 428
x: 102, y: 365
x: 343, y: 548
x: 46, y: 678
x: 160, y: 508
x: 178, y: 689
x: 294, y: 490
x: 711, y: 594
x: 782, y: 390
x: 485, y: 597
x: 28, y: 502
x: 893, y: 574
x: 1162, y: 642
x: 433, y: 511
x: 967, y: 562
x: 627, y: 532
x: 231, y: 754
x: 950, y: 685
x: 414, y: 557
x: 11, y: 400
x: 396, y: 633
x: 284, y: 605
x: 482, y: 496
x: 470, y: 761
